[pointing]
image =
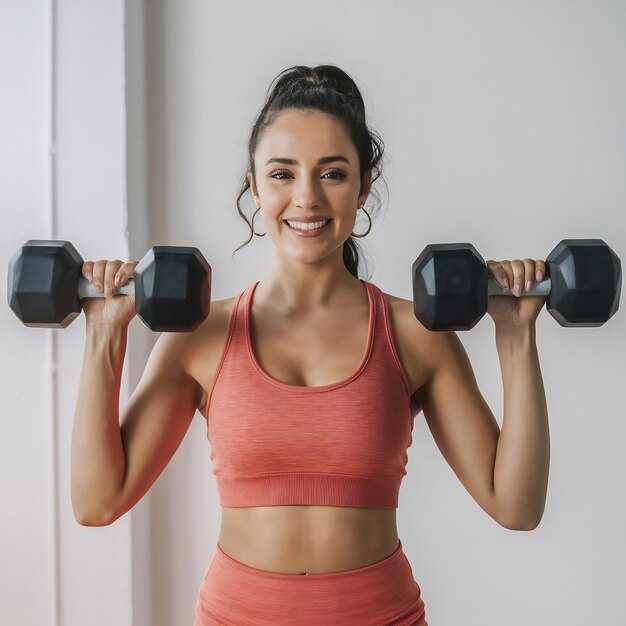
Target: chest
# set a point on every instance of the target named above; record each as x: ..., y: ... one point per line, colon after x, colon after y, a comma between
x: 311, y: 352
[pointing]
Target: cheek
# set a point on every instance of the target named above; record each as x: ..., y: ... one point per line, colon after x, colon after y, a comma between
x: 273, y: 195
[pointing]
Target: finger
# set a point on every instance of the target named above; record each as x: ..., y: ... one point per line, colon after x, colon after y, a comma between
x: 109, y: 274
x: 124, y: 273
x: 499, y: 273
x: 530, y: 274
x: 98, y: 274
x: 540, y: 269
x: 87, y: 270
x: 519, y: 272
x: 508, y: 272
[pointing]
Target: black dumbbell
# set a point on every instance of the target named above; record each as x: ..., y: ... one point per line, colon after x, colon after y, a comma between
x: 171, y: 285
x: 451, y: 285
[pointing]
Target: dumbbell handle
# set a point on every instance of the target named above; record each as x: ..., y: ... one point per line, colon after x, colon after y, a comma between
x: 539, y: 289
x: 86, y: 289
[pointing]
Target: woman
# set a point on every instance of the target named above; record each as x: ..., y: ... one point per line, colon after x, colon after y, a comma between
x: 310, y: 380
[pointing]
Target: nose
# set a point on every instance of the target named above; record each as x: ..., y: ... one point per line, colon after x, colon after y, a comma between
x: 307, y: 192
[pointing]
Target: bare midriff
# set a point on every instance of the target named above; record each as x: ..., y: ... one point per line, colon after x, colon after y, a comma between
x: 308, y: 539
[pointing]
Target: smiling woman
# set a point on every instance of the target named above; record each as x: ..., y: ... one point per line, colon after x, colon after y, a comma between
x: 308, y: 403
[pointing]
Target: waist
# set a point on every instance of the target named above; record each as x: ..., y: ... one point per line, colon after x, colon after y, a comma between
x: 308, y: 539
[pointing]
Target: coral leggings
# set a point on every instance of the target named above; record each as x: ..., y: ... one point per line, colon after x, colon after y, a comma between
x: 381, y: 594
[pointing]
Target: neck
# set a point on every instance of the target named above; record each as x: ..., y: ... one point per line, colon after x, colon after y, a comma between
x: 292, y: 293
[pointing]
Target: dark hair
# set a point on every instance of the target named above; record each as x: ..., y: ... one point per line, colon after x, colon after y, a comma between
x: 325, y: 88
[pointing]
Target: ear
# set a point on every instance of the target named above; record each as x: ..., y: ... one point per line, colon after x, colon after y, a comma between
x: 253, y: 189
x: 366, y: 186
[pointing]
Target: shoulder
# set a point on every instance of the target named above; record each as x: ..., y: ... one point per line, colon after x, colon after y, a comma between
x: 418, y: 347
x: 207, y: 330
x: 212, y: 330
x: 197, y: 352
x: 401, y: 309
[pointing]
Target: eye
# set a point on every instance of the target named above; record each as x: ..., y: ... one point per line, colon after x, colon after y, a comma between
x: 340, y: 175
x: 275, y: 174
x: 336, y: 175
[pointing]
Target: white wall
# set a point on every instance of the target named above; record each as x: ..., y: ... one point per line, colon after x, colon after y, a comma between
x: 62, y: 176
x: 504, y: 127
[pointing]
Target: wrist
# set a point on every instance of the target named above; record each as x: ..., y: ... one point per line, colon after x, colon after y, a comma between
x: 516, y: 333
x: 106, y: 331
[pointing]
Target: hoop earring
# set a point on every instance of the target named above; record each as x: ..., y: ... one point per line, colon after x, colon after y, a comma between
x: 369, y: 227
x: 257, y: 234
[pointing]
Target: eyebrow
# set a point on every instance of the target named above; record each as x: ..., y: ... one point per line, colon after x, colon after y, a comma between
x: 322, y: 161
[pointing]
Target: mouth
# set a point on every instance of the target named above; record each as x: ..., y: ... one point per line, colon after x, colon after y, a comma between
x: 326, y: 221
x: 308, y: 230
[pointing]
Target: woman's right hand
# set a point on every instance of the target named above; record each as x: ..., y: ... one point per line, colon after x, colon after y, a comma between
x: 109, y: 312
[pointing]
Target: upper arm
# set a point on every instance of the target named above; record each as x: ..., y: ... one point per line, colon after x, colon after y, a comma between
x: 156, y: 418
x: 462, y: 424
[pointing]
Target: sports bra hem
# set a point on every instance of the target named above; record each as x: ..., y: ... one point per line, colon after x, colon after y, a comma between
x: 306, y: 488
x: 299, y: 473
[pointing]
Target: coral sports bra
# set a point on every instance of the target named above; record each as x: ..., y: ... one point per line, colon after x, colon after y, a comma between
x: 342, y: 444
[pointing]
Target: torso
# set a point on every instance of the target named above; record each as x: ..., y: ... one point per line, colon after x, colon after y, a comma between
x: 304, y: 351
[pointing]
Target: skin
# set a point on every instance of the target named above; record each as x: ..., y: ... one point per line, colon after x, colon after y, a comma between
x: 300, y: 308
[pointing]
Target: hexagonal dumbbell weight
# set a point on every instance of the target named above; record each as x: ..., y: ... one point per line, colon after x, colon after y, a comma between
x: 171, y: 285
x: 451, y: 285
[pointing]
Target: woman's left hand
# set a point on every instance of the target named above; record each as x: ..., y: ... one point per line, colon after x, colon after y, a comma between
x: 521, y: 275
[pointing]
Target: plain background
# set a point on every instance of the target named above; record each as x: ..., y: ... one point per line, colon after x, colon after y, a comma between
x: 504, y: 125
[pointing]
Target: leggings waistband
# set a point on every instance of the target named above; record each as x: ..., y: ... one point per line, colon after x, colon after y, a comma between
x: 387, y: 563
x: 380, y: 594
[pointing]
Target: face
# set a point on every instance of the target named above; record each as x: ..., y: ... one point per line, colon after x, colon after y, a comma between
x: 307, y: 167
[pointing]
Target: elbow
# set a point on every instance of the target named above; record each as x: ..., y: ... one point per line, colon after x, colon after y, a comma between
x: 524, y: 517
x: 525, y: 524
x: 93, y: 510
x: 89, y: 519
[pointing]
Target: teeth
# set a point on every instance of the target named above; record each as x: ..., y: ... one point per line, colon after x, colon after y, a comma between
x: 305, y: 226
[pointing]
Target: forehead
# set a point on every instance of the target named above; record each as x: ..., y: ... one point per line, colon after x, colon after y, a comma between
x: 295, y: 131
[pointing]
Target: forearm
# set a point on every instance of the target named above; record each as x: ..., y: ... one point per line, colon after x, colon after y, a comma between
x: 523, y: 453
x: 97, y: 455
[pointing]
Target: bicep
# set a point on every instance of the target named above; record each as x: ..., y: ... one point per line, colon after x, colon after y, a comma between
x: 155, y: 419
x: 461, y: 422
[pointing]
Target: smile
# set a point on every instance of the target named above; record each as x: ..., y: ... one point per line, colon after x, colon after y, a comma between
x: 307, y: 230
